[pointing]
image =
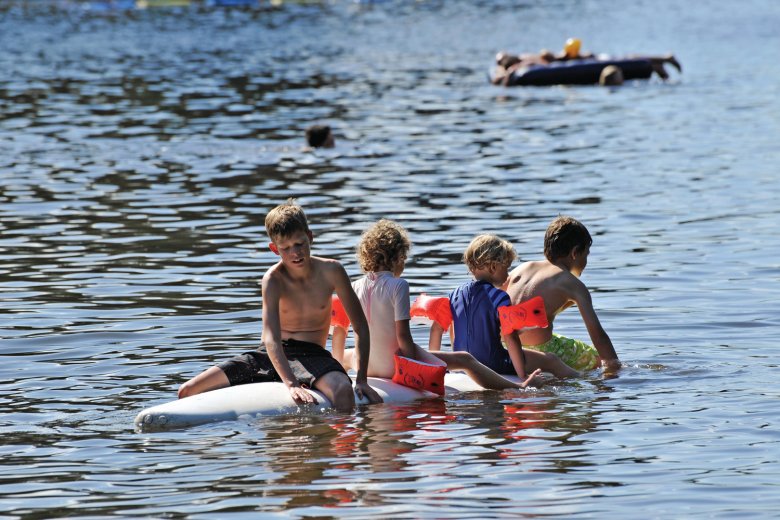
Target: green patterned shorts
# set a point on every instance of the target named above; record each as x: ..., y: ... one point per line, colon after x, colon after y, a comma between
x: 576, y: 354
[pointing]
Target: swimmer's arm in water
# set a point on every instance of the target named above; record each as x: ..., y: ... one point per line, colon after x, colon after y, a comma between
x: 599, y: 337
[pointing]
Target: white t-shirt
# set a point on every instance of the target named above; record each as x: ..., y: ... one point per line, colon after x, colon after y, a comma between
x: 385, y: 300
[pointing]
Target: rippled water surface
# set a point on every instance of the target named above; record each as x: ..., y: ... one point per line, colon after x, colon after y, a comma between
x: 141, y: 149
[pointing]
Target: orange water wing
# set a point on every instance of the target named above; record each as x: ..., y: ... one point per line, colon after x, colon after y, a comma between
x: 338, y: 316
x: 433, y: 308
x: 527, y: 315
x: 419, y: 375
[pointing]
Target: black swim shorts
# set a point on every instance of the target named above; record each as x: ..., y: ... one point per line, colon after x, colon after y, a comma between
x: 308, y: 362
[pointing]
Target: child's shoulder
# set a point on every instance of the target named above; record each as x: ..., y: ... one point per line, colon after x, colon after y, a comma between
x: 468, y: 283
x: 321, y: 261
x: 328, y: 268
x: 400, y: 283
x: 531, y: 266
x: 538, y: 272
x: 386, y: 280
x: 498, y: 295
x: 273, y: 272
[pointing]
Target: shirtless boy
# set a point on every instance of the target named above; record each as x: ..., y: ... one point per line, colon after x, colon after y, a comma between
x: 557, y: 280
x: 297, y: 294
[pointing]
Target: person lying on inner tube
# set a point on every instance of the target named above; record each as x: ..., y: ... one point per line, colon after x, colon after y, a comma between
x: 508, y: 63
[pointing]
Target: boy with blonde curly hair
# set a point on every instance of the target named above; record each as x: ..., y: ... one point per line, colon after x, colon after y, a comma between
x: 384, y: 296
x: 476, y: 325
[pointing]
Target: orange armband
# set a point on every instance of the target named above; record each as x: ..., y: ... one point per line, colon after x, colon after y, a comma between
x: 419, y: 375
x: 527, y: 315
x: 338, y: 316
x: 433, y: 308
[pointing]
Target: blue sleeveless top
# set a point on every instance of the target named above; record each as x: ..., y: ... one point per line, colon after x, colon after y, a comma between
x: 474, y: 308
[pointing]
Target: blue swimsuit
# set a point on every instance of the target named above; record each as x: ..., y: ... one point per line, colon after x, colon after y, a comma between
x: 477, y: 328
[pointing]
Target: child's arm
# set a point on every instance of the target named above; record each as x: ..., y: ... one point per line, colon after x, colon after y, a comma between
x: 404, y: 335
x: 362, y: 336
x: 434, y: 340
x: 598, y: 335
x: 515, y: 349
x: 411, y: 349
x: 272, y: 338
x: 337, y: 343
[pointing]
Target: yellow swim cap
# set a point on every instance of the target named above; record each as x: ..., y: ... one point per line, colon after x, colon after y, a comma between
x: 572, y: 47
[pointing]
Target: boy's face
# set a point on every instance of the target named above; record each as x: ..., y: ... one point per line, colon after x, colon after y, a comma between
x: 580, y: 261
x: 294, y: 250
x: 498, y: 273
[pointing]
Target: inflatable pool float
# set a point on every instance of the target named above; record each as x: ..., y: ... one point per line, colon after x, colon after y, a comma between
x: 421, y: 380
x: 578, y: 72
x: 257, y: 399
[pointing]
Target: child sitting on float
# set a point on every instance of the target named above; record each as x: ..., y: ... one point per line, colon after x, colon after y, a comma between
x: 384, y: 296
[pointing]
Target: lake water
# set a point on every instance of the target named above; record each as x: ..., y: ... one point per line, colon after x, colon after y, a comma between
x: 141, y: 149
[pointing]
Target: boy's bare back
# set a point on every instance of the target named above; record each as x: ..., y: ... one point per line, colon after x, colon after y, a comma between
x: 555, y: 285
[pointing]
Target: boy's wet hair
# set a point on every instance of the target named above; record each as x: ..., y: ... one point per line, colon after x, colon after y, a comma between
x: 485, y: 250
x: 564, y: 235
x: 284, y: 220
x: 317, y: 135
x: 381, y: 245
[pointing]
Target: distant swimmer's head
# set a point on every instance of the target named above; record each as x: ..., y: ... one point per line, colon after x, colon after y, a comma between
x: 320, y: 136
x: 572, y: 47
x: 611, y: 76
